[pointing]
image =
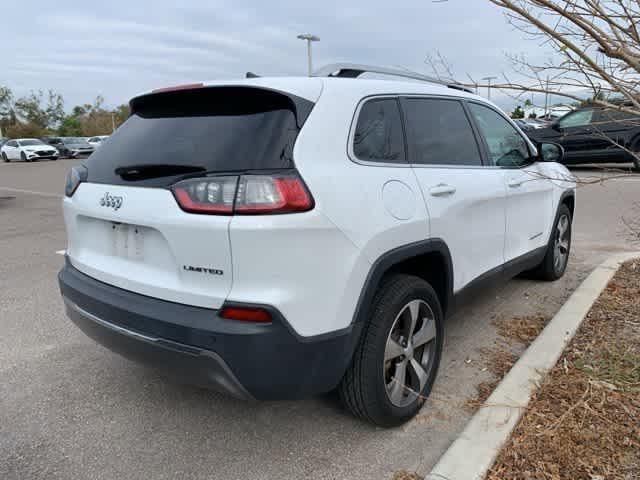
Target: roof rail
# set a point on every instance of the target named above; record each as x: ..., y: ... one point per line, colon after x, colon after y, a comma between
x: 354, y: 70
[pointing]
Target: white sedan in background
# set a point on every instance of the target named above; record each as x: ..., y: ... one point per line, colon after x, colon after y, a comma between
x: 28, y: 150
x: 96, y: 141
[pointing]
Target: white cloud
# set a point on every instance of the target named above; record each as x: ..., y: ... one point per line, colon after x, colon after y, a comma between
x: 122, y: 47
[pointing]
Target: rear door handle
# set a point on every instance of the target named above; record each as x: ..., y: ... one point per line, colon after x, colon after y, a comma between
x: 515, y: 183
x: 441, y: 190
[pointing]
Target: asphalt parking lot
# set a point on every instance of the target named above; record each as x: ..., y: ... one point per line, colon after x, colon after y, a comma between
x: 70, y: 409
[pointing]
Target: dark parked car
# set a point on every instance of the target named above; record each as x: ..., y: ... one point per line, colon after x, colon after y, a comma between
x: 594, y: 135
x: 70, y: 146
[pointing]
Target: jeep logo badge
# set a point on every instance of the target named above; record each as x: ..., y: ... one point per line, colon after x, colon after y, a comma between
x: 111, y: 201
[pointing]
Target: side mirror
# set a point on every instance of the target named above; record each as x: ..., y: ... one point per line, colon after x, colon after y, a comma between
x: 550, y: 152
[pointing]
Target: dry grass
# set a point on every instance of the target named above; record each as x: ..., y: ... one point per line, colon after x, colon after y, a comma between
x: 405, y: 475
x: 499, y: 359
x: 521, y: 329
x: 584, y: 421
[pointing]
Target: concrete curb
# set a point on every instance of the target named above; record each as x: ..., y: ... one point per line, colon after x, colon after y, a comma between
x: 472, y: 454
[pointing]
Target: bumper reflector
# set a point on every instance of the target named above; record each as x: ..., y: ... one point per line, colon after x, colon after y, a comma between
x: 246, y: 314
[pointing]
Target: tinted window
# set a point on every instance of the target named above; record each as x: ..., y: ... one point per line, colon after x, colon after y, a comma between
x: 12, y: 143
x: 439, y: 133
x: 577, y: 119
x: 218, y: 129
x: 378, y: 136
x: 624, y: 118
x: 506, y: 146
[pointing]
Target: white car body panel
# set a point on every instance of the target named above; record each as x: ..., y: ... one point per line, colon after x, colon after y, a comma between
x: 153, y: 265
x: 470, y: 220
x: 14, y: 153
x: 96, y: 143
x: 313, y: 266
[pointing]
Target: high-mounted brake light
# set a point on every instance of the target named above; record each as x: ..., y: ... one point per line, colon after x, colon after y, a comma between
x: 172, y: 88
x: 247, y: 314
x: 246, y: 194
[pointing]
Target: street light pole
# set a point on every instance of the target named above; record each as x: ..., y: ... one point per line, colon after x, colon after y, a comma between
x: 546, y: 99
x: 309, y: 38
x: 488, y: 79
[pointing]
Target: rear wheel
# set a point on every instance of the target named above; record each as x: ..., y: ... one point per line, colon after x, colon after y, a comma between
x: 4, y: 157
x: 557, y: 255
x: 396, y: 361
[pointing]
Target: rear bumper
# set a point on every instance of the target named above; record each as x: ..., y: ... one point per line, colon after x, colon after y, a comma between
x: 195, y: 345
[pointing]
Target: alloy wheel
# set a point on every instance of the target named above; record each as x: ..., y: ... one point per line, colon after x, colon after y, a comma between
x: 561, y: 245
x: 409, y: 353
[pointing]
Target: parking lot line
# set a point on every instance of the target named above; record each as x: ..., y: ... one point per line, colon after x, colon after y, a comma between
x: 32, y: 192
x: 61, y: 252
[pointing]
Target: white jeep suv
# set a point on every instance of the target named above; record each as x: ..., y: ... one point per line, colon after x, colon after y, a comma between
x: 283, y: 237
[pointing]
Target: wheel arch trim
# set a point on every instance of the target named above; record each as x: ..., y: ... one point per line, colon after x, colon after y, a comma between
x: 394, y: 257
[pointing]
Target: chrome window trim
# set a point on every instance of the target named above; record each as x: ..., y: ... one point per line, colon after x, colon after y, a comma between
x: 408, y: 164
x: 352, y: 133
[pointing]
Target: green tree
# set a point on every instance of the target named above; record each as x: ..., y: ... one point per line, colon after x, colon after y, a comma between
x: 70, y: 127
x: 518, y: 112
x: 33, y: 110
x: 7, y: 114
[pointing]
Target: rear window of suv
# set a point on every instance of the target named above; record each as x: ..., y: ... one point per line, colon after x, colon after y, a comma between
x: 215, y: 129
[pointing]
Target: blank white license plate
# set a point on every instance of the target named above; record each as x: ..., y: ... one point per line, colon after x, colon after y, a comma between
x: 128, y: 241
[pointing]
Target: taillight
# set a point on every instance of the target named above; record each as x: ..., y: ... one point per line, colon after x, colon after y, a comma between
x: 246, y: 194
x: 207, y: 195
x: 75, y: 177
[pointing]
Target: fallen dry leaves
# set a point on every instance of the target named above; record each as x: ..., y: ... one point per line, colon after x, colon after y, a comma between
x: 584, y: 421
x: 405, y: 475
x: 500, y: 358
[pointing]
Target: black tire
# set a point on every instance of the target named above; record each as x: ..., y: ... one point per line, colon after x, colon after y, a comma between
x: 550, y: 269
x: 364, y: 389
x: 23, y: 157
x: 5, y: 159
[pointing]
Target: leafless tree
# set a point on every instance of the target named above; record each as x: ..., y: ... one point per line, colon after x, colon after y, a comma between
x: 596, y: 45
x: 594, y: 54
x: 596, y: 48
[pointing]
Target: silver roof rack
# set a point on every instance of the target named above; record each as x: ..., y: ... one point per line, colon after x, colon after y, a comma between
x: 354, y: 70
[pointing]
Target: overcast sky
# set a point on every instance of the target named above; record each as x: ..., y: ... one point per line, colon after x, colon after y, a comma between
x: 123, y: 47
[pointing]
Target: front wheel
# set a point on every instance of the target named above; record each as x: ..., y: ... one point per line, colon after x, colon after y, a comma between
x: 396, y: 362
x: 23, y: 157
x: 557, y: 255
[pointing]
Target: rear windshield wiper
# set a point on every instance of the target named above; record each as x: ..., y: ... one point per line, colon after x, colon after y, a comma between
x: 144, y: 172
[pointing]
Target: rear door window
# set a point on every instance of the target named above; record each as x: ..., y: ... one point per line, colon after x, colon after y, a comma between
x: 439, y: 133
x: 217, y: 129
x: 378, y: 136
